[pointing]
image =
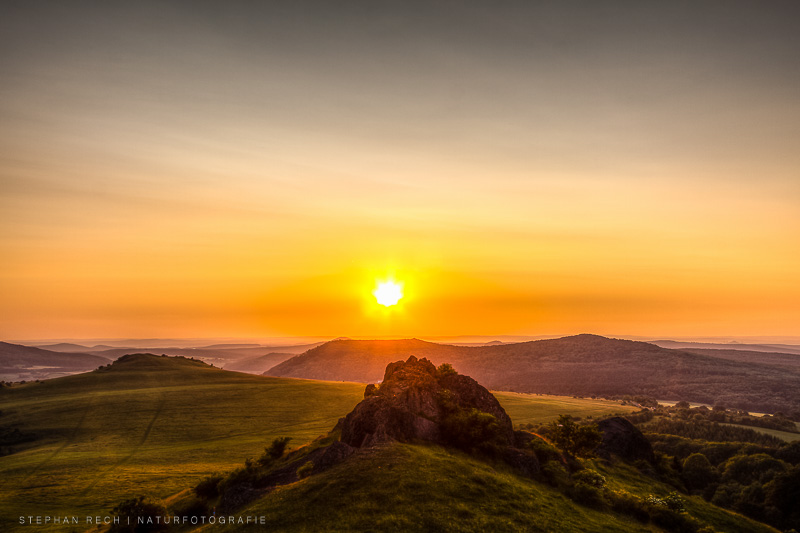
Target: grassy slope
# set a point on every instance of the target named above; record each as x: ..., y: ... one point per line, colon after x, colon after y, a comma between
x: 152, y: 429
x: 428, y: 488
x: 422, y: 488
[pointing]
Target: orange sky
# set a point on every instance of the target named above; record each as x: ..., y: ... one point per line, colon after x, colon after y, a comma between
x: 178, y: 172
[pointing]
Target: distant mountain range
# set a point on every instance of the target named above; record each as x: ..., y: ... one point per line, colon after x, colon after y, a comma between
x: 19, y: 362
x: 259, y: 358
x: 581, y: 365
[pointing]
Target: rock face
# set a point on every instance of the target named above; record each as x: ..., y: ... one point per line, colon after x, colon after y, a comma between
x: 410, y: 405
x: 623, y: 439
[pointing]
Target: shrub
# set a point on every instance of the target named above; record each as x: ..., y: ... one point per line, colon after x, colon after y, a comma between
x: 139, y: 507
x: 474, y: 431
x: 274, y: 451
x: 675, y: 502
x: 576, y: 440
x: 208, y: 489
x: 193, y: 507
x: 305, y: 470
x: 543, y: 450
x: 446, y: 369
x: 624, y: 502
x: 555, y: 474
x: 590, y: 477
x: 587, y: 495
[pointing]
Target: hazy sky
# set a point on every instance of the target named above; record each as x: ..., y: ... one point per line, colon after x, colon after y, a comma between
x: 254, y: 168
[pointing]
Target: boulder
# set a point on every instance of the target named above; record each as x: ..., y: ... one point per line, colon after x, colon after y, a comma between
x: 624, y: 440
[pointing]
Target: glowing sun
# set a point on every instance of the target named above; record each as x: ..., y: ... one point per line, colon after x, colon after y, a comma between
x: 388, y: 293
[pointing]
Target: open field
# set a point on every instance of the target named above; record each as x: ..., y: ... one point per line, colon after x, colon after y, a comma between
x: 539, y: 408
x: 783, y: 435
x: 103, y: 436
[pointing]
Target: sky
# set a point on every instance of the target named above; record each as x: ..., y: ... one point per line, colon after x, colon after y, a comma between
x: 255, y: 169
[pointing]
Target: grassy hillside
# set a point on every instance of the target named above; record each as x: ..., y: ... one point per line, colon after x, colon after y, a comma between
x: 156, y: 425
x: 582, y: 365
x: 148, y: 424
x: 429, y: 488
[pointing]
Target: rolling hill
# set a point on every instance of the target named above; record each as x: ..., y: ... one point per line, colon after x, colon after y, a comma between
x: 583, y: 365
x: 146, y: 423
x: 19, y: 362
x: 156, y: 425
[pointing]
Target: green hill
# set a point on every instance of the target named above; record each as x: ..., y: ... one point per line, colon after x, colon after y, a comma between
x: 405, y: 487
x: 146, y: 424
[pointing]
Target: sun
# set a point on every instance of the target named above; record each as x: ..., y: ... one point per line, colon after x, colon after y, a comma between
x: 388, y: 293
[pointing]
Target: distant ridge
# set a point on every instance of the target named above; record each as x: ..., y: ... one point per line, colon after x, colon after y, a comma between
x: 19, y: 362
x: 582, y: 365
x: 732, y: 345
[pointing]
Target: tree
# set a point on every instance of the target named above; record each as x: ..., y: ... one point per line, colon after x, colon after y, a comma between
x: 580, y: 441
x: 698, y: 473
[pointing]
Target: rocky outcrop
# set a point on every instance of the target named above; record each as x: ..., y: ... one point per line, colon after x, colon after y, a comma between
x: 622, y: 439
x: 411, y: 403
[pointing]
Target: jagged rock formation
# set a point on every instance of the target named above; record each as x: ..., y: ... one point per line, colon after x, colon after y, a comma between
x: 414, y: 403
x: 623, y: 439
x: 411, y: 404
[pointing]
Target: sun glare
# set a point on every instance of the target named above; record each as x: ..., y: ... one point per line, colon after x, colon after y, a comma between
x: 388, y: 293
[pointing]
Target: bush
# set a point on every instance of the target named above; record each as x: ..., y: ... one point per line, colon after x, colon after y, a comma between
x: 208, y: 489
x: 193, y: 507
x: 543, y: 450
x: 675, y: 502
x: 666, y: 518
x: 275, y: 451
x: 576, y: 440
x: 474, y: 431
x: 587, y: 495
x: 139, y: 507
x: 590, y: 477
x: 555, y: 474
x: 446, y: 369
x: 305, y: 470
x: 624, y: 502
